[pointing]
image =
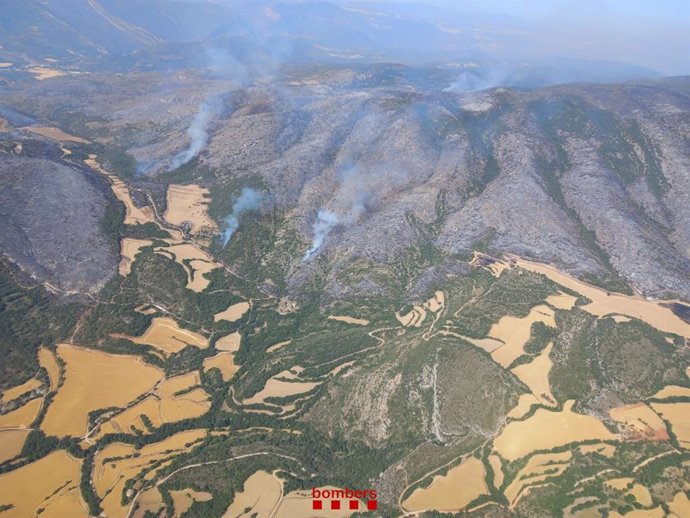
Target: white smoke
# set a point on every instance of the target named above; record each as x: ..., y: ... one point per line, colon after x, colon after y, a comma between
x: 198, y: 133
x: 483, y: 78
x: 248, y: 199
x: 359, y: 190
x: 325, y: 222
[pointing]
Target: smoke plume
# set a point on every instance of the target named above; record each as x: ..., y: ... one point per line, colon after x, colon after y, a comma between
x: 198, y: 133
x: 484, y: 78
x: 249, y: 199
x: 359, y: 190
x: 325, y: 222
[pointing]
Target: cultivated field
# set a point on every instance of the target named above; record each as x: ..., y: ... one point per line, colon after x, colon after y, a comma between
x: 640, y: 422
x: 452, y: 491
x: 233, y: 313
x: 497, y: 467
x: 51, y: 484
x: 536, y: 376
x: 15, y: 392
x: 538, y: 468
x: 165, y: 405
x: 514, y: 333
x: 297, y: 504
x: 183, y: 499
x: 229, y: 343
x: 11, y: 443
x: 23, y: 416
x: 680, y: 505
x: 259, y: 497
x: 118, y: 462
x: 349, y: 320
x: 605, y: 303
x: 189, y: 203
x: 416, y: 316
x: 133, y: 214
x: 166, y: 336
x: 672, y: 391
x: 224, y: 361
x: 525, y: 403
x: 520, y: 438
x: 94, y: 380
x: 278, y: 345
x: 678, y: 415
x: 43, y: 73
x: 55, y: 134
x: 129, y: 248
x: 277, y: 387
x: 561, y: 301
x: 495, y: 266
x: 193, y: 259
x: 629, y: 486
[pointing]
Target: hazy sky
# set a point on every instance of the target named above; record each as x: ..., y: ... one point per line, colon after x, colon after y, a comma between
x: 652, y: 33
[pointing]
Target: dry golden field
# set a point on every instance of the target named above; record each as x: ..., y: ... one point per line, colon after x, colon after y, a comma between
x: 94, y: 380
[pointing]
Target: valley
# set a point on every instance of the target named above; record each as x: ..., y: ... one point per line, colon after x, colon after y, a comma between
x: 178, y: 415
x: 250, y: 250
x: 188, y: 372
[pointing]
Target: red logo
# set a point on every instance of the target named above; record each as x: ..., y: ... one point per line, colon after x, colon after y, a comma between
x: 336, y: 499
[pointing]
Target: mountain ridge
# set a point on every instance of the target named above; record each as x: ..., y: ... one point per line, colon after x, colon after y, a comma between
x: 539, y: 173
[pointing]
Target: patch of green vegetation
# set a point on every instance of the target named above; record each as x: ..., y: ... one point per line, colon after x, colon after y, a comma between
x: 118, y: 161
x: 188, y: 359
x: 144, y: 231
x: 95, y: 414
x: 264, y: 236
x: 612, y: 283
x: 156, y: 280
x: 670, y: 467
x: 483, y: 302
x: 114, y: 228
x: 112, y: 222
x: 88, y: 492
x: 630, y: 359
x: 37, y: 445
x: 106, y: 318
x: 225, y: 191
x: 466, y: 404
x: 586, y: 475
x: 315, y: 341
x: 540, y: 336
x: 29, y: 318
x: 192, y: 171
x: 265, y: 245
x: 225, y: 462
